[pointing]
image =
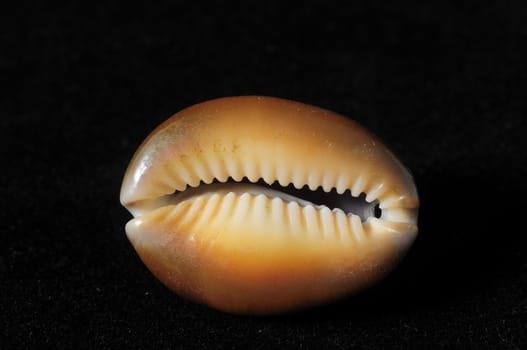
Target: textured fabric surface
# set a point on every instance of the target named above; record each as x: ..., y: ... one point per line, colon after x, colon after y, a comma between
x: 82, y: 86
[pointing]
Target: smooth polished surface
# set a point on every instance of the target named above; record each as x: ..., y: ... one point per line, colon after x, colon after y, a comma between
x: 250, y: 250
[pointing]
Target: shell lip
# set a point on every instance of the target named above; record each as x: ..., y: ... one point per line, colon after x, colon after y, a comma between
x: 364, y: 206
x: 189, y: 136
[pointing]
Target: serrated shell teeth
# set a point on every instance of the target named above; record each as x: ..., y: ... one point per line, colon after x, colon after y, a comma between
x: 358, y: 186
x: 242, y: 247
x: 342, y: 185
x: 375, y: 193
x: 313, y: 182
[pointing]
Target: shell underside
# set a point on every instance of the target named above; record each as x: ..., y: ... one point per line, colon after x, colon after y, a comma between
x: 214, y: 222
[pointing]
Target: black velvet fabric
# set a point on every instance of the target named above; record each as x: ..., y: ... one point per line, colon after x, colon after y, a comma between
x: 83, y: 84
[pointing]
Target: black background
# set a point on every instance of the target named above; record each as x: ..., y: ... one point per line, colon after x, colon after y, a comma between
x: 83, y: 84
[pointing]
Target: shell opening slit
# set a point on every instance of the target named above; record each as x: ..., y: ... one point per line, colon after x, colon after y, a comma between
x: 259, y: 205
x: 318, y: 198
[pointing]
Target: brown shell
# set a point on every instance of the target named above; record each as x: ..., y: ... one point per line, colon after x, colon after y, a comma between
x: 247, y: 252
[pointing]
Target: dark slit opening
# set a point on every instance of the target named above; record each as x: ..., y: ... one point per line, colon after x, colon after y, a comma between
x: 333, y: 200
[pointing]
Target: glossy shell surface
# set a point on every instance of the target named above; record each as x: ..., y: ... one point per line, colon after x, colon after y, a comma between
x: 210, y: 235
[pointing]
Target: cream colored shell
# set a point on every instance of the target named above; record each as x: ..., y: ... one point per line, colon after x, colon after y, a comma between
x: 242, y: 251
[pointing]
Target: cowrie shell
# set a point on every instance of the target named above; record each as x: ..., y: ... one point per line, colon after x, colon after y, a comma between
x: 259, y: 205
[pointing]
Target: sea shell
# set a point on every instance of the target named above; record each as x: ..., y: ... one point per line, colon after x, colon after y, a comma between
x: 340, y: 214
